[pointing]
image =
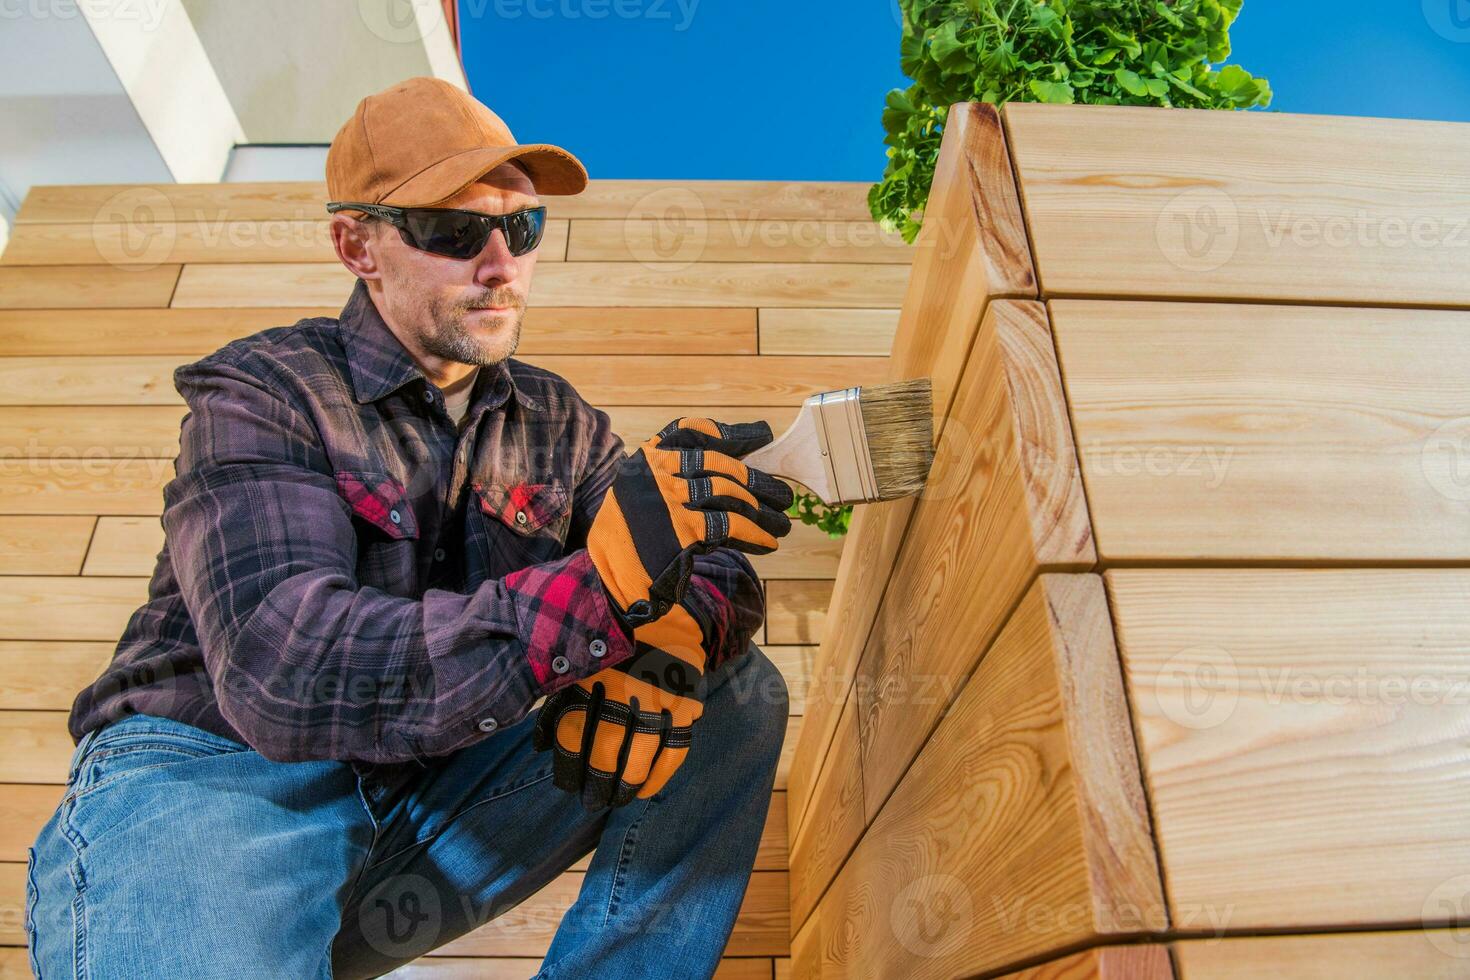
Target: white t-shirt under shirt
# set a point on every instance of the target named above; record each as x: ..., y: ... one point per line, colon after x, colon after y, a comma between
x: 458, y: 403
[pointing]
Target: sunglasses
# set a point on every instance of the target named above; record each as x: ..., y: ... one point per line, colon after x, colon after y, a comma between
x: 453, y: 232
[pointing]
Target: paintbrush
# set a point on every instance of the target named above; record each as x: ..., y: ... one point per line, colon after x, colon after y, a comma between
x: 857, y: 445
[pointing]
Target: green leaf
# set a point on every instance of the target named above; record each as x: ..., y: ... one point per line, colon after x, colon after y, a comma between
x: 1157, y: 87
x: 1058, y: 93
x: 1130, y: 82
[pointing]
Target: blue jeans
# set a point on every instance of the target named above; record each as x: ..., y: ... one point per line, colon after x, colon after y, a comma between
x: 177, y: 853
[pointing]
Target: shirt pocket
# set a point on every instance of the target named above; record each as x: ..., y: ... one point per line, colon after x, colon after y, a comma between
x: 528, y: 509
x: 378, y: 501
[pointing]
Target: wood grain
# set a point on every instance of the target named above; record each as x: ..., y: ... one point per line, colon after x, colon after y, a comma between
x: 1142, y: 202
x: 1289, y: 717
x: 305, y: 200
x: 86, y: 286
x: 193, y: 332
x: 796, y: 610
x: 816, y: 284
x: 842, y: 332
x: 688, y: 234
x: 47, y: 674
x: 1219, y: 432
x: 1104, y: 963
x: 1428, y: 954
x: 971, y: 248
x: 43, y: 545
x: 988, y: 853
x: 1003, y: 503
x: 829, y: 834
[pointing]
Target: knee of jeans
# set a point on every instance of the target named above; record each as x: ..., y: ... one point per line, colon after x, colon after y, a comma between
x: 765, y: 697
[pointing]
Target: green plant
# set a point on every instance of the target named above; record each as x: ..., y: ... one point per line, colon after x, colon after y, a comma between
x: 1099, y: 52
x: 811, y: 510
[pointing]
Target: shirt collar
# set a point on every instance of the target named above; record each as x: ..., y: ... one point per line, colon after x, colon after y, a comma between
x: 380, y: 364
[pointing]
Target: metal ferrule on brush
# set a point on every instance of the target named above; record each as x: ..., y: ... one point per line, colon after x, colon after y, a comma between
x: 844, y: 444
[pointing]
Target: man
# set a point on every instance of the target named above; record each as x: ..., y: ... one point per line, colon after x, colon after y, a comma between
x: 313, y: 753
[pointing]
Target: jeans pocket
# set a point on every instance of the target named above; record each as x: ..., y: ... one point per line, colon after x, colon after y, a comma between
x: 142, y: 744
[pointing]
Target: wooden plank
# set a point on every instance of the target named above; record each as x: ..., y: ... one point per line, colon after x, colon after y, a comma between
x: 1021, y: 829
x: 795, y: 664
x: 148, y: 241
x: 834, y: 828
x: 526, y: 930
x: 1144, y: 202
x: 68, y: 607
x: 85, y: 286
x: 47, y: 674
x: 1105, y: 963
x: 1287, y: 717
x: 24, y: 809
x: 34, y: 747
x: 629, y: 379
x: 43, y: 545
x: 305, y: 200
x: 972, y: 247
x: 1223, y: 432
x: 807, y: 552
x: 1003, y: 504
x: 518, y: 968
x: 125, y: 546
x: 796, y: 610
x: 1424, y: 954
x: 12, y: 904
x: 680, y: 235
x: 815, y: 284
x: 194, y: 332
x: 821, y: 332
x: 84, y: 486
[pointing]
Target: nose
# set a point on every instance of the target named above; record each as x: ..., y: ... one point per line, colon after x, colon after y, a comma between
x: 495, y: 263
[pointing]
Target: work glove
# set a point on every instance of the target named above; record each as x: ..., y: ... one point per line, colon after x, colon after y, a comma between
x: 622, y: 732
x: 683, y: 492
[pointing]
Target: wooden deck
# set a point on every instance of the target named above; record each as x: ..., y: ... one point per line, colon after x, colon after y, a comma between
x: 656, y: 299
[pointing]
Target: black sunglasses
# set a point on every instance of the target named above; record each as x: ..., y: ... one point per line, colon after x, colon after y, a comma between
x: 454, y: 232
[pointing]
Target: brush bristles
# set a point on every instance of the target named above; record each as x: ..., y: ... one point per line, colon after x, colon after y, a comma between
x: 898, y: 419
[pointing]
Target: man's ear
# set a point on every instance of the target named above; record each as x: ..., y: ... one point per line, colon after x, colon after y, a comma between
x: 356, y: 245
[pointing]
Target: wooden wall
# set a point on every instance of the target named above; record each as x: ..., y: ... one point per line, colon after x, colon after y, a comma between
x: 1173, y: 650
x: 656, y: 299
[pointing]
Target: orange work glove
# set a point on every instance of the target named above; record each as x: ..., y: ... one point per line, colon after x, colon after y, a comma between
x: 622, y: 732
x: 683, y: 492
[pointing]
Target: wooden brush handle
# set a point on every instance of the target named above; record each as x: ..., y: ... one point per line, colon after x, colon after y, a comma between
x: 796, y: 454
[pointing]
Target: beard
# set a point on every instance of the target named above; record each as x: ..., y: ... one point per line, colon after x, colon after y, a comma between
x: 451, y: 338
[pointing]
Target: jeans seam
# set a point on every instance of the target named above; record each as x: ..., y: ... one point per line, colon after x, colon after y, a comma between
x: 620, y: 877
x: 32, y: 895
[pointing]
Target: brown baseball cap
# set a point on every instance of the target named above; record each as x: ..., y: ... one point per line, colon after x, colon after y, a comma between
x: 423, y: 140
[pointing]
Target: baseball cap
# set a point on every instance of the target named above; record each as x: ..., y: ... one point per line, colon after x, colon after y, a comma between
x: 423, y: 140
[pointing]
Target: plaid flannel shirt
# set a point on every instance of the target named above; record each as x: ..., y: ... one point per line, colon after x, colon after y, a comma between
x: 347, y: 575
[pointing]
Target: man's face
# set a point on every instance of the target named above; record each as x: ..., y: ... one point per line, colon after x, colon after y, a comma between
x: 469, y: 310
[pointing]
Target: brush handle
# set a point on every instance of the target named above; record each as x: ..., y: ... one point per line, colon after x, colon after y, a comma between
x: 797, y: 455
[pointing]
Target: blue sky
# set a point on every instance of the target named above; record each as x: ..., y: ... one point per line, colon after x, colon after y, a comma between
x: 767, y: 90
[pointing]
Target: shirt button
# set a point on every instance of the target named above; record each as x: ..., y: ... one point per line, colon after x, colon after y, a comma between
x: 597, y: 648
x: 428, y: 395
x: 561, y: 664
x: 394, y: 516
x: 488, y: 724
x: 521, y: 517
x: 438, y: 554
